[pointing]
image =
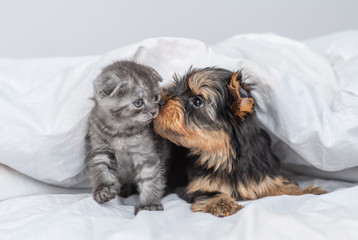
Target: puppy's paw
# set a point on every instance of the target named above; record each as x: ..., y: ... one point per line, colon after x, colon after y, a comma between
x: 138, y: 208
x: 315, y: 190
x: 221, y: 205
x: 104, y: 193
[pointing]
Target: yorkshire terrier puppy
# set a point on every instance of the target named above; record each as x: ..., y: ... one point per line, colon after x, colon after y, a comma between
x: 211, y: 112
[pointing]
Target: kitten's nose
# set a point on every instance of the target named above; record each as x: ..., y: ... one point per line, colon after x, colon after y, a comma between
x: 153, y: 113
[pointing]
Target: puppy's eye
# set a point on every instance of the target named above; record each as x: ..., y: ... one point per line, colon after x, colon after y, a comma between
x: 197, y: 102
x: 156, y: 98
x: 138, y: 103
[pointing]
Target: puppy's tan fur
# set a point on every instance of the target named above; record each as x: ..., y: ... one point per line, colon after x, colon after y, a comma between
x: 233, y: 157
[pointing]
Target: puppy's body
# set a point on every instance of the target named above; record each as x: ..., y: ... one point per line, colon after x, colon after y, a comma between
x: 211, y: 112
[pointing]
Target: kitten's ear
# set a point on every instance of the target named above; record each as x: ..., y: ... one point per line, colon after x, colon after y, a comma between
x: 110, y: 86
x: 243, y: 102
x: 155, y: 76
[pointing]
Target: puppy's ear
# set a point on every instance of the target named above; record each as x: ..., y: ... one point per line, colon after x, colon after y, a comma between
x: 243, y: 102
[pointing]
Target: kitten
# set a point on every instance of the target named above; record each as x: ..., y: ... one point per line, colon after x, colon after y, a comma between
x: 123, y: 148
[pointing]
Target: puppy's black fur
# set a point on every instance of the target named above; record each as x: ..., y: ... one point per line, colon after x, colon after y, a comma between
x: 225, y: 155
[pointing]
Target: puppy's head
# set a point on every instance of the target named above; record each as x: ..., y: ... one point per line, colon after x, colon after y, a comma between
x: 199, y: 110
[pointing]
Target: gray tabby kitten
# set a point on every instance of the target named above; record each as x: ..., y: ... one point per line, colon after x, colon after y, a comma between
x: 123, y: 148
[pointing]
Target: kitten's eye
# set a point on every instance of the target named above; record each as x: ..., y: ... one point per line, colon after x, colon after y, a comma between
x: 156, y: 98
x: 138, y: 103
x: 197, y: 102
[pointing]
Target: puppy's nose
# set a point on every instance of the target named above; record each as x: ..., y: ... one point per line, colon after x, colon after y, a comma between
x: 161, y: 103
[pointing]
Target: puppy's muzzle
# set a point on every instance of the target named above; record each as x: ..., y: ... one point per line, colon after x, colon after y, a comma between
x: 162, y: 103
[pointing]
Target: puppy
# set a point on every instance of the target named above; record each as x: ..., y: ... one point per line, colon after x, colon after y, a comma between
x: 211, y: 112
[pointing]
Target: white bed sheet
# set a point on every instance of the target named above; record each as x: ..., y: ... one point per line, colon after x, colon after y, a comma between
x: 330, y: 216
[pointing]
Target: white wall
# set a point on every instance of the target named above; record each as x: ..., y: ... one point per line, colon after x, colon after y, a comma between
x: 44, y: 28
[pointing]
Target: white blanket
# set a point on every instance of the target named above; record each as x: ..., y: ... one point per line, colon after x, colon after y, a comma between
x: 308, y: 94
x: 330, y: 216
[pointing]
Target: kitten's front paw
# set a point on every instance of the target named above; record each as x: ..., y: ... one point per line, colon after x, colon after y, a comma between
x: 148, y: 208
x: 104, y: 193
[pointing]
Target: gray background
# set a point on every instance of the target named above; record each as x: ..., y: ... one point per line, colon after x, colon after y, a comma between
x: 40, y: 28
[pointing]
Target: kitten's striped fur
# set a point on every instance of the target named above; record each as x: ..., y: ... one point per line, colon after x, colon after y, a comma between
x: 123, y: 148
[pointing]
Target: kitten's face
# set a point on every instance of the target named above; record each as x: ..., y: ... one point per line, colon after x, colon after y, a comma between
x: 128, y: 94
